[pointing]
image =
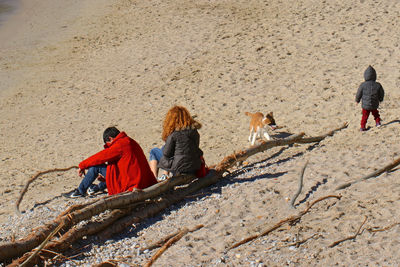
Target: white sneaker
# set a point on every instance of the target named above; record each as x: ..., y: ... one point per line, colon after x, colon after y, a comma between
x: 162, y: 178
x: 93, y: 189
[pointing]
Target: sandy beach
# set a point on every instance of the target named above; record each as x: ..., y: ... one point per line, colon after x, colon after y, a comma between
x: 69, y: 69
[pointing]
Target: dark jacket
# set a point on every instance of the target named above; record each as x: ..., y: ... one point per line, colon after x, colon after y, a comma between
x: 370, y: 91
x: 181, y: 153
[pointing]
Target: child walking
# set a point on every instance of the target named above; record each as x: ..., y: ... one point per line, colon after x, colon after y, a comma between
x: 370, y: 93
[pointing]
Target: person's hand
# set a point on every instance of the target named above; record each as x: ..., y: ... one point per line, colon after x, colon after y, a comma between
x: 81, y: 172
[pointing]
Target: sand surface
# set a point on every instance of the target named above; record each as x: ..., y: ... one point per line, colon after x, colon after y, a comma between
x: 69, y: 69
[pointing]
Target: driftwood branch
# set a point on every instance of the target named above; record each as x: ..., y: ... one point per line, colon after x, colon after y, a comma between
x: 290, y: 219
x: 350, y: 237
x: 376, y: 229
x: 242, y: 155
x: 167, y: 201
x: 122, y: 201
x: 33, y: 178
x: 26, y: 262
x: 300, y: 242
x: 170, y: 241
x: 161, y: 242
x: 108, y: 263
x: 166, y: 246
x: 116, y: 222
x: 300, y: 186
x: 372, y: 175
x: 14, y: 249
x: 58, y: 255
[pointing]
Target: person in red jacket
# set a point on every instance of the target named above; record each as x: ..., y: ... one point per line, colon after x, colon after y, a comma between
x: 122, y: 163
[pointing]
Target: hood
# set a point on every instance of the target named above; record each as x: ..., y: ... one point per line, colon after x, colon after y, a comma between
x: 370, y: 74
x: 119, y: 136
x: 195, y: 126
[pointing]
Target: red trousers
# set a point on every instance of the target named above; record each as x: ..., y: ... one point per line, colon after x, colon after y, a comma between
x: 365, y: 115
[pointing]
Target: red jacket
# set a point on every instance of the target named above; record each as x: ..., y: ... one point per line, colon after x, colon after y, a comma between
x: 127, y: 165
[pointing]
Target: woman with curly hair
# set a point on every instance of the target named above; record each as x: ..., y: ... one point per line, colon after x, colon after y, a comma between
x: 181, y: 153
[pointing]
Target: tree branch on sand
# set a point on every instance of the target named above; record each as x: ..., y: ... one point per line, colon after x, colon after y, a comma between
x: 33, y: 178
x: 161, y: 242
x: 169, y: 242
x: 372, y: 175
x: 350, y: 237
x: 119, y: 204
x: 26, y: 262
x: 242, y: 155
x: 84, y: 212
x: 376, y: 229
x: 288, y: 220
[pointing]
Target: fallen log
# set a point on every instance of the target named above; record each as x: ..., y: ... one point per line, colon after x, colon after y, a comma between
x: 69, y: 237
x: 68, y: 219
x: 242, y: 155
x: 372, y: 175
x: 37, y: 251
x: 167, y: 201
x: 115, y: 226
x: 17, y: 248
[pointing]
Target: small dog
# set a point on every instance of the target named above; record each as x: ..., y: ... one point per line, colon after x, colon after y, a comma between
x: 258, y: 125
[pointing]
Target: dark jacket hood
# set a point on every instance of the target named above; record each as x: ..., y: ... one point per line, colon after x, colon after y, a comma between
x: 195, y: 126
x: 370, y: 74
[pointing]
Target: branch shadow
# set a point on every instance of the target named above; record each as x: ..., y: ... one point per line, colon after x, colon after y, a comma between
x: 312, y: 190
x: 62, y: 195
x: 391, y: 122
x: 264, y: 163
x: 43, y: 203
x: 280, y: 135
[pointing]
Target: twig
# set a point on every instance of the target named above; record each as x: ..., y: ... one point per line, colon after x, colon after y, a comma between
x: 59, y: 255
x: 300, y: 185
x: 107, y: 263
x: 298, y: 243
x: 42, y: 245
x: 382, y: 229
x: 350, y: 237
x: 372, y: 175
x: 166, y: 246
x: 282, y: 222
x: 33, y: 178
x: 168, y: 237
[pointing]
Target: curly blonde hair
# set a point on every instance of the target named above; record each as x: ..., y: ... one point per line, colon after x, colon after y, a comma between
x: 178, y: 118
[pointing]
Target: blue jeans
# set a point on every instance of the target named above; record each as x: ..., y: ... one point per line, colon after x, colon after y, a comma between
x: 91, y: 176
x: 156, y: 154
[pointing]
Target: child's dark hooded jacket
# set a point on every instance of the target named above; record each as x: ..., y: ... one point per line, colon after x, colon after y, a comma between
x: 370, y: 91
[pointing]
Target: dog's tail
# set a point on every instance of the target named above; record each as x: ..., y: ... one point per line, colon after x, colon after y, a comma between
x: 248, y: 113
